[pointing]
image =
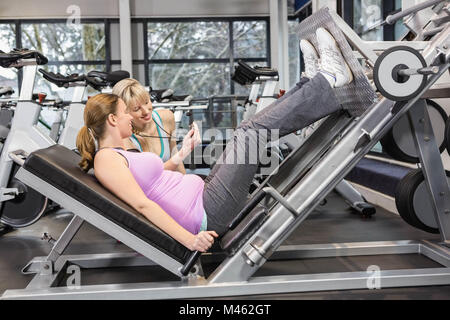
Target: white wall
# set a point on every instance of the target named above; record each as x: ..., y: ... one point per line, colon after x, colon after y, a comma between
x: 193, y: 8
x: 40, y: 9
x: 29, y: 9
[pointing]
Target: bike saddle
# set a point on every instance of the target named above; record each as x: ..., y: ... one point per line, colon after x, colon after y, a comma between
x: 61, y: 80
x: 100, y: 79
x: 6, y: 91
x: 159, y: 95
x: 257, y: 70
x: 242, y: 78
x: 9, y: 59
x: 186, y: 97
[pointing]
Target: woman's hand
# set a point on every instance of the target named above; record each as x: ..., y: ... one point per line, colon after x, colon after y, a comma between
x: 190, y: 141
x: 202, y: 241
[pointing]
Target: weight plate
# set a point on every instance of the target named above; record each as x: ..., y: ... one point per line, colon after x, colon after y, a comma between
x: 413, y: 202
x: 390, y: 61
x: 26, y: 208
x: 399, y: 143
x: 447, y: 135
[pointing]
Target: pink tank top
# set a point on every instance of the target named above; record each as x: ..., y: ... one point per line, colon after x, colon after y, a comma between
x: 180, y: 196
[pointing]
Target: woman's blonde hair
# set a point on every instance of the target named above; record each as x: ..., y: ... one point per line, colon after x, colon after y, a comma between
x: 131, y: 92
x: 97, y: 110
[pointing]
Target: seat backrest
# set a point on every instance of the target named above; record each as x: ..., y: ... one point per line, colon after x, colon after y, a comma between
x: 58, y: 166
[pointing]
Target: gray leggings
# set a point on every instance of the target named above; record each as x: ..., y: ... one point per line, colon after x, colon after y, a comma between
x: 227, y: 186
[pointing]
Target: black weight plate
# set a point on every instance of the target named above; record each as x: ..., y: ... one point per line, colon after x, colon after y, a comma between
x: 447, y: 135
x: 404, y: 200
x: 24, y: 209
x: 391, y: 146
x: 4, y: 229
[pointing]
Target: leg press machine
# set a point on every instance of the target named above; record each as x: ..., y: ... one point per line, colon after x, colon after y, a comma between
x: 256, y: 236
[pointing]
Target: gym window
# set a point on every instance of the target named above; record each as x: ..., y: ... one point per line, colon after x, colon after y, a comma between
x: 191, y: 56
x: 197, y: 56
x: 70, y: 48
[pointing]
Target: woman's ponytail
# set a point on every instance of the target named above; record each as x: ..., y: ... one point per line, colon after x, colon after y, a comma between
x: 95, y: 114
x: 86, y: 147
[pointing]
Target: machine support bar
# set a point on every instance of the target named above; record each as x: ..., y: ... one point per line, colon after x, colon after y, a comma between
x: 65, y: 238
x: 432, y: 166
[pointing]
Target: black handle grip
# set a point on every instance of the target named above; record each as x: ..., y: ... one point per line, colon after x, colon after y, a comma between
x: 247, y: 208
x: 61, y: 80
x: 190, y: 263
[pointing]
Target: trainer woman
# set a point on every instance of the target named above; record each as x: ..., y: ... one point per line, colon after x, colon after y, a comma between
x: 153, y: 129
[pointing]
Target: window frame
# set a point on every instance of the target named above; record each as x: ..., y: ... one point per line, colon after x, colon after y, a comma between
x: 105, y: 21
x: 231, y: 60
x: 108, y: 62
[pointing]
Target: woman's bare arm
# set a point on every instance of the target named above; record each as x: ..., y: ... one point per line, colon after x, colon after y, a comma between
x: 168, y: 120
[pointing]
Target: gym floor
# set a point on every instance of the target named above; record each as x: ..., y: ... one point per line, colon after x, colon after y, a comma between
x: 331, y: 223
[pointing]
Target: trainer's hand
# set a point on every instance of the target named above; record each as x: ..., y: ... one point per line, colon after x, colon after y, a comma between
x: 190, y: 141
x: 203, y: 241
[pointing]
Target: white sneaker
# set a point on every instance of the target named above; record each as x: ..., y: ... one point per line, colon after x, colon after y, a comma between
x: 310, y: 57
x: 331, y: 59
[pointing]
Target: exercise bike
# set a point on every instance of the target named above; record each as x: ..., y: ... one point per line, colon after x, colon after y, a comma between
x: 16, y: 200
x: 21, y: 206
x: 74, y: 119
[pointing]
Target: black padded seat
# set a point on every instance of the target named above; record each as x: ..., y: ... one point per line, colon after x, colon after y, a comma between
x: 61, y: 80
x: 58, y: 166
x: 257, y: 70
x: 244, y: 74
x: 99, y: 79
x: 8, y: 59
